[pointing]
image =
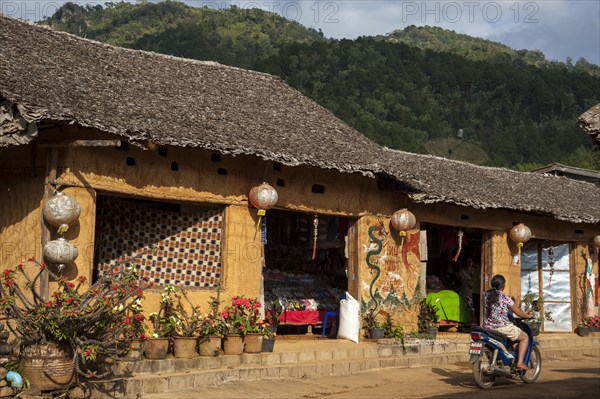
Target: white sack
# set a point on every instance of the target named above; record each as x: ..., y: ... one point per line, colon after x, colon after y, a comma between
x: 349, y: 319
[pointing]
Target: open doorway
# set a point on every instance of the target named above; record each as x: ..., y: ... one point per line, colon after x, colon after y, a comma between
x: 308, y: 280
x: 452, y: 269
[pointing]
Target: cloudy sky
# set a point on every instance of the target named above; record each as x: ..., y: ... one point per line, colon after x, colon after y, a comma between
x: 559, y: 28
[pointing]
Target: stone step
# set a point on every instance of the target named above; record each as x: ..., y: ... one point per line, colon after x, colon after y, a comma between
x: 306, y: 361
x: 130, y: 387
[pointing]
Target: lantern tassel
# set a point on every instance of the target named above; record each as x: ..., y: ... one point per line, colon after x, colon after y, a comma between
x: 63, y: 229
x: 402, y: 235
x: 519, y: 245
x: 260, y: 213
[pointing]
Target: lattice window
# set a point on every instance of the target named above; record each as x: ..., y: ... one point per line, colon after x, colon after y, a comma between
x: 176, y: 246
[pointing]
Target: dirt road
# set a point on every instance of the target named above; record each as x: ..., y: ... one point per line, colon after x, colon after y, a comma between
x: 565, y: 378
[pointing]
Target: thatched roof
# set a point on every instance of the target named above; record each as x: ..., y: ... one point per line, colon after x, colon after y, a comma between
x: 590, y: 122
x: 53, y: 76
x: 169, y: 101
x: 437, y: 180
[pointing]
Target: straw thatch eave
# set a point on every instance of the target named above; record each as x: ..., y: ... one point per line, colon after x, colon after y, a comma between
x: 590, y: 122
x: 439, y: 180
x: 144, y: 96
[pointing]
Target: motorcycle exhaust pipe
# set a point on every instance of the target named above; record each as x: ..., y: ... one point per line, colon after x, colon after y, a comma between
x: 502, y: 372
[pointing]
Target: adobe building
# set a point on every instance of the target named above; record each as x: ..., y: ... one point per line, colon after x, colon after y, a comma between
x: 162, y: 152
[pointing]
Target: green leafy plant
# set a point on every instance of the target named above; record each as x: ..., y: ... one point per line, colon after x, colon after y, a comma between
x: 273, y: 313
x: 370, y: 319
x: 242, y: 316
x: 213, y: 324
x: 92, y: 320
x: 390, y: 330
x: 189, y: 318
x: 164, y: 322
x: 427, y: 317
x: 531, y: 301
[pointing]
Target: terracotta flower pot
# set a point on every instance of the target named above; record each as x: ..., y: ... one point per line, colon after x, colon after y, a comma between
x: 253, y: 343
x: 156, y: 348
x: 210, y: 346
x: 48, y: 366
x: 135, y: 350
x: 233, y: 344
x: 185, y: 347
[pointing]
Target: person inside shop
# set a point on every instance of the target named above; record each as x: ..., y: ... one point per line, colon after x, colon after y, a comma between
x: 495, y: 314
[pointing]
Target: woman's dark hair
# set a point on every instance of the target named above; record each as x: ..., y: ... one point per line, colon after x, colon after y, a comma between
x: 498, y: 282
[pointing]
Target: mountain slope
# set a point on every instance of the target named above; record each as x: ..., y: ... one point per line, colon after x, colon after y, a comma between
x: 520, y: 114
x: 233, y: 36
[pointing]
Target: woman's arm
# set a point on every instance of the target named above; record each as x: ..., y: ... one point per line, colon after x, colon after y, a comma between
x: 523, y: 315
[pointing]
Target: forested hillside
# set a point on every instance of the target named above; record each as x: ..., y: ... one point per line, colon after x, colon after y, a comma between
x: 521, y: 112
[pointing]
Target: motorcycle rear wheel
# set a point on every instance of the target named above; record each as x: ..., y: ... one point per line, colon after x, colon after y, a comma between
x: 482, y: 379
x: 535, y: 366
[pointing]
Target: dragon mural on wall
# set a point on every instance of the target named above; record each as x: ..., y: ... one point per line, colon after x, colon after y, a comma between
x: 383, y: 259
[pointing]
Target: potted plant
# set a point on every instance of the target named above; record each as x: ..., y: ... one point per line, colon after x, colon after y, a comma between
x: 83, y: 324
x: 255, y: 328
x: 237, y: 324
x: 164, y: 323
x: 272, y: 315
x: 372, y: 325
x: 187, y: 325
x: 390, y: 330
x: 136, y: 331
x: 587, y: 325
x: 212, y: 328
x: 531, y: 301
x: 427, y: 321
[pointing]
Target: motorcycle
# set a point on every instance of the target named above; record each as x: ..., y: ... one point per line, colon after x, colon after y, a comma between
x: 494, y: 355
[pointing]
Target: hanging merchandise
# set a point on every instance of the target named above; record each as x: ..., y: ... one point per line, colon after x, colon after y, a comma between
x: 520, y: 234
x: 60, y: 252
x: 263, y: 197
x: 315, y: 235
x: 460, y: 244
x: 403, y: 220
x: 61, y: 211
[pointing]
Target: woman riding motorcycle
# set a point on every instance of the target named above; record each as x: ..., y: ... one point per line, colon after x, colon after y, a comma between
x: 496, y: 307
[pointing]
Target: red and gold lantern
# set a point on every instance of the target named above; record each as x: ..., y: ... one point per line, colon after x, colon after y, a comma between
x: 403, y: 220
x: 520, y: 234
x: 263, y: 197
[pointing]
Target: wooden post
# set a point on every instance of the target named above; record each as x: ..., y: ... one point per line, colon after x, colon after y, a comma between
x: 51, y: 166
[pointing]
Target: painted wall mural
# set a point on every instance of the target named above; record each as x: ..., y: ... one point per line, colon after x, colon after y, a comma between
x: 393, y: 281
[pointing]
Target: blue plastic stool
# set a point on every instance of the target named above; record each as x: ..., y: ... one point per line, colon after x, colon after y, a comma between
x: 327, y: 314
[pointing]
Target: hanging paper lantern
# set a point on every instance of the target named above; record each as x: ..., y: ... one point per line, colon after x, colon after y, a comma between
x: 262, y: 197
x: 520, y: 234
x: 61, y: 211
x: 60, y: 252
x: 402, y: 221
x: 597, y: 241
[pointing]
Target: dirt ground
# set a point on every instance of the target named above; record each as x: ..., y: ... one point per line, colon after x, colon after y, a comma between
x: 563, y: 378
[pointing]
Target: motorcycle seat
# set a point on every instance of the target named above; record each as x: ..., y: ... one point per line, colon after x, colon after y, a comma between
x: 492, y: 333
